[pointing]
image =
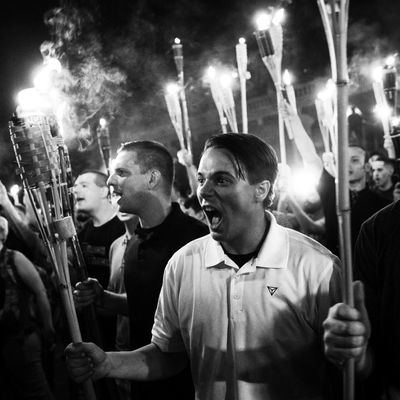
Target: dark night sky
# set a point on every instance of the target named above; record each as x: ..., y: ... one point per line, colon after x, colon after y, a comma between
x: 204, y: 26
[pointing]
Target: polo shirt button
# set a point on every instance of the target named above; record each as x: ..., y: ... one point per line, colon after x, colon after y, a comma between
x: 236, y: 297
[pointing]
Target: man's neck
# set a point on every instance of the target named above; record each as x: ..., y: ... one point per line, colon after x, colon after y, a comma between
x: 385, y: 186
x: 251, y: 240
x: 103, y: 215
x: 157, y: 209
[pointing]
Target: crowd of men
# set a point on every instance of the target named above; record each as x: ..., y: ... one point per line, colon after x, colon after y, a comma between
x: 232, y: 292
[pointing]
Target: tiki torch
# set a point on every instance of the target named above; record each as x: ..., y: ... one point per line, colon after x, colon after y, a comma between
x: 227, y: 100
x: 171, y: 96
x: 269, y: 40
x: 383, y: 110
x: 103, y: 140
x: 325, y: 105
x: 39, y: 165
x: 389, y: 82
x: 241, y: 58
x: 217, y: 96
x: 178, y: 58
x: 335, y: 21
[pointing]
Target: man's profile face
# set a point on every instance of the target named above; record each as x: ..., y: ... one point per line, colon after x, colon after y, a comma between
x: 88, y: 195
x: 356, y: 164
x: 381, y: 173
x: 128, y: 183
x: 227, y: 200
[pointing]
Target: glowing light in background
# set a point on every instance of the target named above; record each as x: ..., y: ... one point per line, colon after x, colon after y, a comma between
x: 279, y: 17
x: 177, y: 41
x: 172, y: 88
x: 263, y: 21
x: 103, y: 122
x: 30, y: 100
x: 382, y: 111
x: 287, y: 77
x: 304, y: 182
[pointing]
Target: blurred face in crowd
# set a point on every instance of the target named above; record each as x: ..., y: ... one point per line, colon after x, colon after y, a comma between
x: 3, y: 229
x: 228, y: 201
x: 129, y: 183
x: 382, y: 174
x: 356, y: 164
x: 88, y: 195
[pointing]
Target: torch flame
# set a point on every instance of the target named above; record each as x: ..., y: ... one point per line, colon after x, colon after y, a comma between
x: 263, y: 21
x: 377, y: 74
x: 172, y: 88
x: 242, y: 40
x: 103, y: 122
x: 390, y: 61
x: 177, y: 41
x: 226, y: 80
x: 278, y: 17
x: 383, y: 111
x: 287, y: 78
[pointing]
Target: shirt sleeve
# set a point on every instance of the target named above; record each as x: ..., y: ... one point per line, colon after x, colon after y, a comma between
x: 328, y: 292
x: 166, y: 333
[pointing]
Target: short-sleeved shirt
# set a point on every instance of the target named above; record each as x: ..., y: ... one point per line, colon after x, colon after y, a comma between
x: 253, y: 332
x: 377, y: 265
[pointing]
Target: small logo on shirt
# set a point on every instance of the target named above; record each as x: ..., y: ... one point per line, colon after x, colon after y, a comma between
x: 272, y: 290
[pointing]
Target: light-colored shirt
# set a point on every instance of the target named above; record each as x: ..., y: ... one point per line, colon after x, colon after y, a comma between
x: 253, y: 332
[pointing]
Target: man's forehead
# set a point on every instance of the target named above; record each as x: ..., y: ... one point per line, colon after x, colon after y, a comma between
x: 378, y: 164
x: 88, y: 177
x: 217, y: 159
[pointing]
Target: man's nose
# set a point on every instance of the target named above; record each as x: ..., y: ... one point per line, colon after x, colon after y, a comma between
x: 205, y: 189
x: 111, y: 181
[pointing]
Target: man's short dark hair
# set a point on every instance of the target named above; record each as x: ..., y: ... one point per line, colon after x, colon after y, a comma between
x: 252, y: 157
x: 151, y: 154
x: 100, y: 177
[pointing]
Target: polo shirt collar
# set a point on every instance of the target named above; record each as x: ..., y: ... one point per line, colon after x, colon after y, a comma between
x: 274, y: 252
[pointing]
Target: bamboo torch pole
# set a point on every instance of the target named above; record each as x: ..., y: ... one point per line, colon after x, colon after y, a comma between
x: 335, y: 21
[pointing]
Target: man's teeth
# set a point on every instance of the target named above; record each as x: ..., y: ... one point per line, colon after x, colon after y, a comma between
x: 215, y: 220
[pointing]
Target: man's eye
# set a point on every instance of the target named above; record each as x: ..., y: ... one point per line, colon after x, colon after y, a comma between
x: 200, y: 180
x: 222, y: 181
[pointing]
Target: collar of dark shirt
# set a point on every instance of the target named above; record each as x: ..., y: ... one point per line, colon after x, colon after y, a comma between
x: 147, y: 233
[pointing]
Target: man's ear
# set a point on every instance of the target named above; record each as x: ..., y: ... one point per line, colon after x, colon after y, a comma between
x: 262, y: 190
x: 154, y: 179
x: 105, y: 191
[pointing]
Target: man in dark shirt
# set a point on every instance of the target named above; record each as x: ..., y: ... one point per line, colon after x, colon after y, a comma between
x: 143, y: 175
x: 96, y: 236
x: 347, y: 330
x: 363, y: 201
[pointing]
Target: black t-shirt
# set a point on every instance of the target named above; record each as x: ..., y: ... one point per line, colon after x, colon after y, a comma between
x: 377, y: 265
x: 95, y: 242
x: 146, y: 257
x: 363, y: 204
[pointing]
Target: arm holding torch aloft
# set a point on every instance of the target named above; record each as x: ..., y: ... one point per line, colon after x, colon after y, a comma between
x: 241, y: 58
x: 37, y: 158
x: 178, y: 58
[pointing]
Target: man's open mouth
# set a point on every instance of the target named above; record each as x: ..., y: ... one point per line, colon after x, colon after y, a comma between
x: 214, y: 216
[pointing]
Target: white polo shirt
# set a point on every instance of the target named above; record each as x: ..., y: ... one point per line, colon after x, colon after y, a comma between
x: 253, y: 333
